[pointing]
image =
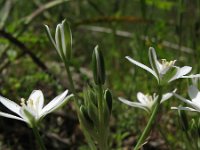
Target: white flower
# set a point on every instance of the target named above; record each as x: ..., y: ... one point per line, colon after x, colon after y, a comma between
x: 147, y: 101
x: 33, y: 110
x: 164, y: 71
x: 194, y: 95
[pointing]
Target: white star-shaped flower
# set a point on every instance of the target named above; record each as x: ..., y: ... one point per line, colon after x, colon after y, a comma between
x: 33, y: 110
x: 147, y: 101
x: 164, y: 71
x: 194, y: 95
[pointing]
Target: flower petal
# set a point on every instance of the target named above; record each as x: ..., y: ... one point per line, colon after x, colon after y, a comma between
x: 142, y: 66
x: 192, y: 76
x: 14, y: 107
x: 167, y: 96
x: 194, y: 105
x: 181, y: 72
x: 50, y: 36
x: 142, y: 98
x: 10, y: 116
x: 154, y: 61
x: 185, y: 108
x: 133, y: 104
x: 29, y: 116
x: 193, y: 92
x: 38, y: 100
x: 54, y: 104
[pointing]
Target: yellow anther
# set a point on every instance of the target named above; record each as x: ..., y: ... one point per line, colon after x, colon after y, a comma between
x: 30, y: 103
x: 22, y: 103
x: 149, y: 97
x: 166, y: 63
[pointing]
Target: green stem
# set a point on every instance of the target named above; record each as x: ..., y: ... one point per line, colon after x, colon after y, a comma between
x: 100, y: 105
x: 72, y: 85
x: 72, y: 88
x: 150, y: 123
x: 38, y: 138
x: 102, y: 140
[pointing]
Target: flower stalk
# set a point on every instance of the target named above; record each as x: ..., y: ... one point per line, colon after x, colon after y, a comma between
x: 151, y: 121
x: 63, y: 45
x: 38, y: 138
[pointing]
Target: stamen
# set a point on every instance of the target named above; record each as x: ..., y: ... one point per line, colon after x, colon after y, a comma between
x: 30, y: 103
x: 22, y: 103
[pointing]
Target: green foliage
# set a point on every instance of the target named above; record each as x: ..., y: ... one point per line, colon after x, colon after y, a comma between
x: 121, y: 28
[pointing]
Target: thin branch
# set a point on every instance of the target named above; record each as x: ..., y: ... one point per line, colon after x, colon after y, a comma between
x: 24, y: 49
x: 43, y: 8
x: 130, y: 35
x: 108, y: 19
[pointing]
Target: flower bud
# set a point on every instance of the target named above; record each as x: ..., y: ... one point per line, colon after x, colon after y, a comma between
x: 93, y: 113
x: 63, y: 40
x: 108, y: 98
x: 98, y: 67
x: 85, y: 119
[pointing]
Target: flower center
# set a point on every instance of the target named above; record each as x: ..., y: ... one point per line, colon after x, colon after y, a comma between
x: 22, y: 103
x: 167, y: 64
x: 149, y: 97
x: 29, y: 103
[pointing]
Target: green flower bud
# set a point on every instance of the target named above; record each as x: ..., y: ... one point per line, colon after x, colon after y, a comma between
x: 62, y: 41
x: 98, y: 67
x: 85, y: 119
x: 93, y: 113
x: 108, y: 98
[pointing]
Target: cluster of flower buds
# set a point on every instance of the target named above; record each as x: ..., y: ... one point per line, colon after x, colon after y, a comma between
x: 90, y: 116
x: 96, y: 110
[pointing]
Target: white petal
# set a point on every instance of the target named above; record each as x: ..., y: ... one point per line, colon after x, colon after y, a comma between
x: 181, y: 72
x: 59, y: 104
x: 142, y: 98
x: 10, y: 116
x: 185, y: 108
x: 62, y: 34
x: 193, y: 92
x: 154, y: 61
x: 38, y: 99
x: 192, y: 76
x: 143, y: 66
x: 194, y: 105
x: 14, y: 107
x: 28, y: 115
x: 31, y: 111
x: 50, y: 36
x: 57, y: 36
x: 52, y: 105
x: 166, y: 96
x: 133, y: 104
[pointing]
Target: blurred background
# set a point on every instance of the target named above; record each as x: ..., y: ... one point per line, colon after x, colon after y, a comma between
x: 120, y: 28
